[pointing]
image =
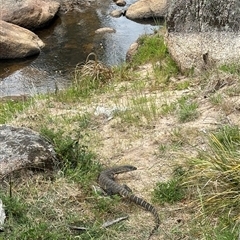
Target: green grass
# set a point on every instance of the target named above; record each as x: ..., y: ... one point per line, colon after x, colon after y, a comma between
x: 168, y: 192
x: 24, y: 222
x: 123, y: 73
x: 228, y: 136
x: 139, y: 110
x: 187, y: 109
x: 182, y: 85
x: 168, y: 108
x: 231, y: 68
x: 153, y: 50
x: 10, y: 108
x: 214, y: 175
x: 76, y: 160
x: 223, y: 231
x: 208, y: 228
x: 216, y: 99
x: 37, y: 213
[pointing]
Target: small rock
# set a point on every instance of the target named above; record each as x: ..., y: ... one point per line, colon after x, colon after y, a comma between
x: 105, y: 30
x: 131, y: 51
x: 107, y: 112
x: 116, y: 13
x: 120, y: 3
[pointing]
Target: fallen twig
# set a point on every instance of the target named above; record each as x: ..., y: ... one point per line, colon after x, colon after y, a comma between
x: 105, y: 225
x: 110, y: 223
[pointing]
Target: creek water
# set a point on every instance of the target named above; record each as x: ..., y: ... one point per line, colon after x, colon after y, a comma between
x: 69, y: 39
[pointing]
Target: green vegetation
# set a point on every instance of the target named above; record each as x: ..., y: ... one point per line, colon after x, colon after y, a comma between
x: 9, y: 108
x: 232, y: 68
x: 183, y: 85
x: 151, y: 112
x: 169, y: 192
x: 140, y: 109
x: 213, y: 177
x: 187, y: 109
x: 76, y: 161
x: 168, y: 108
x: 216, y: 99
x: 153, y: 50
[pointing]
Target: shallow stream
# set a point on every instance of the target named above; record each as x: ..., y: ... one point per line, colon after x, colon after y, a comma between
x: 69, y: 39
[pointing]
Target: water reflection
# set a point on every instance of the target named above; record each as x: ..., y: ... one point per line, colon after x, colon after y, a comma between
x: 69, y: 39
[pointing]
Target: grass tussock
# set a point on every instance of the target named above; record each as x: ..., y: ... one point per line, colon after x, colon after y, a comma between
x: 214, y: 176
x: 168, y: 192
x: 187, y: 109
x: 92, y: 75
x: 88, y: 79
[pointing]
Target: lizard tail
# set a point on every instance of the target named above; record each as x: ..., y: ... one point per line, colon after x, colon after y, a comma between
x: 147, y: 206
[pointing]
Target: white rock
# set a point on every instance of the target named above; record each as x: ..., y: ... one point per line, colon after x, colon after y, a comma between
x: 105, y: 30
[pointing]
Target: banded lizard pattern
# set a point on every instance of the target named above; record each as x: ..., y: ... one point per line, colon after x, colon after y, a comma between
x: 106, y: 181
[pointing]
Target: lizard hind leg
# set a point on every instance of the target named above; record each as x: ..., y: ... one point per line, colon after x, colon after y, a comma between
x: 126, y: 187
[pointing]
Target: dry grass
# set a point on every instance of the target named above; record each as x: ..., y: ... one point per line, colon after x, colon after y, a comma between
x: 92, y: 74
x: 215, y: 176
x: 148, y: 135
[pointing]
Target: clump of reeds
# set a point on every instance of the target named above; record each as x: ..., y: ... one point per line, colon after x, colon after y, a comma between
x: 93, y: 74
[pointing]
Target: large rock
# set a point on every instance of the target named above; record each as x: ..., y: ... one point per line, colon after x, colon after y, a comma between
x: 18, y: 42
x: 29, y: 14
x: 21, y: 148
x: 147, y: 9
x: 203, y: 34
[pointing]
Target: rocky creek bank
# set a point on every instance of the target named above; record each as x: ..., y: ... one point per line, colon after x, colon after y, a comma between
x: 19, y: 19
x: 199, y: 36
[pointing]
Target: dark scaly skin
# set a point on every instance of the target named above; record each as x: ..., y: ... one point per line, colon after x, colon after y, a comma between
x: 106, y: 181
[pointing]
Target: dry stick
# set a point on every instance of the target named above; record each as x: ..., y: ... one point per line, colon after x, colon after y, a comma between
x: 110, y: 223
x: 105, y: 225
